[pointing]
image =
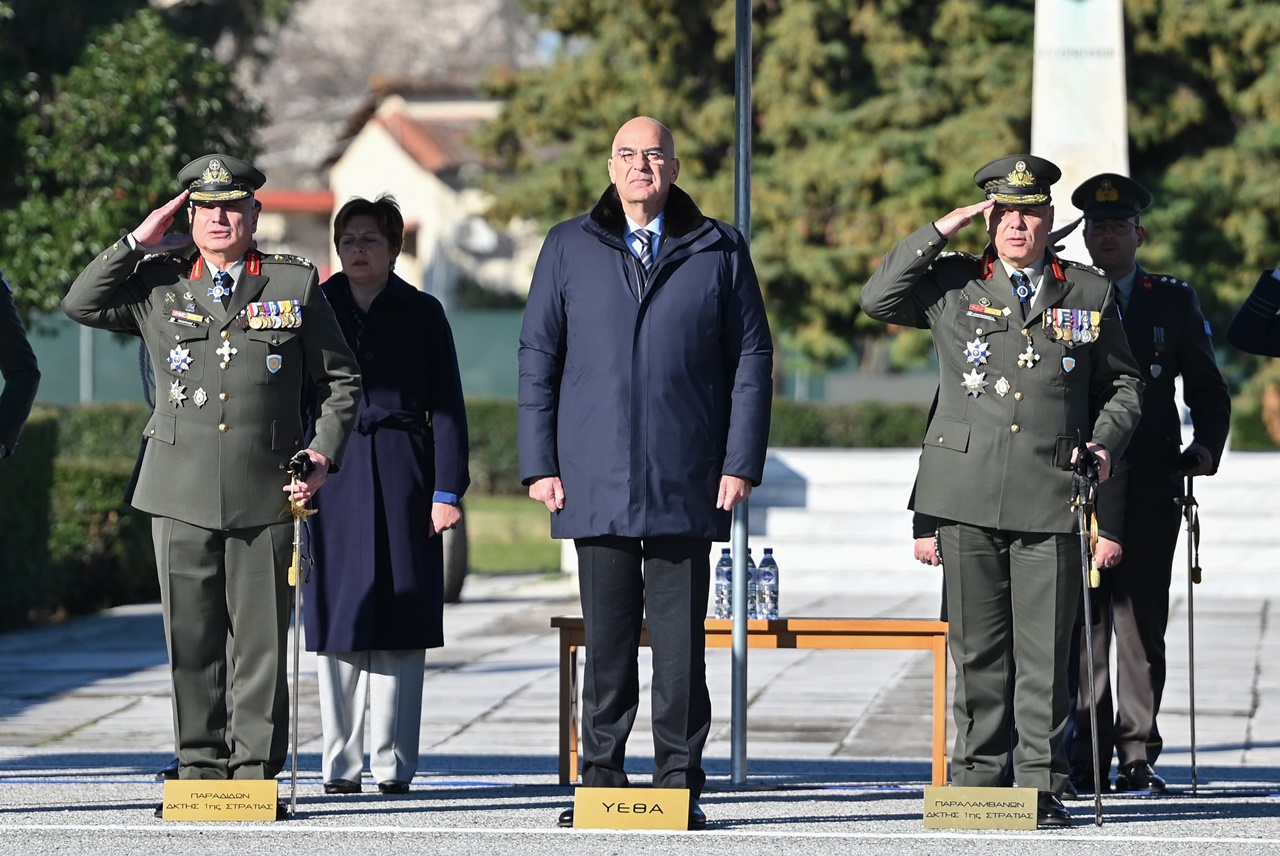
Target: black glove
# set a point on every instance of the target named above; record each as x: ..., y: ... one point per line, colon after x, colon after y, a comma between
x: 300, y: 466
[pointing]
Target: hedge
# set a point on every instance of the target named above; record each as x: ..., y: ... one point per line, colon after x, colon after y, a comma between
x: 69, y: 543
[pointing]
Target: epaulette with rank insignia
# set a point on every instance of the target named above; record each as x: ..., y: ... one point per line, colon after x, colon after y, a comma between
x: 161, y: 257
x: 954, y: 256
x: 1169, y: 280
x: 1082, y: 266
x: 288, y: 259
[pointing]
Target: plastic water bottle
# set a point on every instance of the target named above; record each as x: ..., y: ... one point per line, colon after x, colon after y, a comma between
x: 767, y: 588
x: 753, y: 583
x: 724, y: 585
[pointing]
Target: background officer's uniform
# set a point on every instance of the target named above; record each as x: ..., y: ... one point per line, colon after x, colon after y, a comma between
x: 227, y: 415
x: 996, y: 460
x: 21, y: 375
x: 1139, y: 506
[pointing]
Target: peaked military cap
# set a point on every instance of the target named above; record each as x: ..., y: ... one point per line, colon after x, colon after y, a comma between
x: 219, y: 178
x: 1018, y: 180
x: 1109, y: 196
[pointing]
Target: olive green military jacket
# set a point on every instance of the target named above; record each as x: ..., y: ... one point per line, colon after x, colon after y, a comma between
x: 228, y: 381
x: 1012, y: 394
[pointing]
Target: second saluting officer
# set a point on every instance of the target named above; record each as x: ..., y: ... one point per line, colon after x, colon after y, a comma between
x: 1139, y: 508
x: 1030, y: 354
x: 231, y: 333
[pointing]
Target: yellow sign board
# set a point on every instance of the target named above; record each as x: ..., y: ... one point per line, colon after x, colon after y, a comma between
x: 980, y: 808
x: 220, y: 799
x: 631, y: 808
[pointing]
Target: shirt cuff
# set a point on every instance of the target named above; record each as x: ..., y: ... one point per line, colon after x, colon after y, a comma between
x: 446, y: 497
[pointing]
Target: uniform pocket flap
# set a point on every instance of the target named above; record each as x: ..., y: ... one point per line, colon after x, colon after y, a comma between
x: 1062, y: 450
x: 273, y: 338
x: 183, y: 333
x: 161, y: 427
x: 948, y: 434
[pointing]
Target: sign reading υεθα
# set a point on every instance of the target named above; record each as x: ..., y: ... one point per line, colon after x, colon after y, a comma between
x: 980, y: 808
x: 631, y: 808
x: 220, y: 799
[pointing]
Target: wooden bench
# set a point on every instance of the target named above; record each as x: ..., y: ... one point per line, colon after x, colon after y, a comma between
x: 813, y: 633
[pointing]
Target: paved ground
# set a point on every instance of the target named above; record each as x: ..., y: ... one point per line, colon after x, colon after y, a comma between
x: 837, y: 752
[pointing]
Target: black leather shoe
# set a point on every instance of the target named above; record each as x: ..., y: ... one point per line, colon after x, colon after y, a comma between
x: 697, y: 817
x: 1139, y: 776
x: 391, y: 786
x: 342, y: 786
x: 566, y: 818
x: 168, y: 771
x: 1050, y: 812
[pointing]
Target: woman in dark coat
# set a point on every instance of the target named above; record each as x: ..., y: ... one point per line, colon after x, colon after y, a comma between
x: 375, y: 598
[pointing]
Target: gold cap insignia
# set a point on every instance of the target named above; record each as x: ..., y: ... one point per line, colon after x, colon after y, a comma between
x: 215, y: 173
x: 1106, y: 192
x: 1021, y: 176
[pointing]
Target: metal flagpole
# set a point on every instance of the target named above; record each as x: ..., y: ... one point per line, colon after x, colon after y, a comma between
x: 742, y: 211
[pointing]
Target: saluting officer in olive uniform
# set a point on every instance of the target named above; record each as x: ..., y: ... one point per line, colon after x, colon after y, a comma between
x: 1031, y: 354
x: 21, y: 375
x: 231, y: 333
x: 1138, y: 509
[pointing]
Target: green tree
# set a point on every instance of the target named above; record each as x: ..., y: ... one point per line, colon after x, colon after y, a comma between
x: 869, y: 119
x: 101, y: 151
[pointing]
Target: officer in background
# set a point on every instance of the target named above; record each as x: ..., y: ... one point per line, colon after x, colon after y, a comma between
x: 1031, y: 356
x: 21, y: 374
x: 1139, y: 509
x: 231, y: 333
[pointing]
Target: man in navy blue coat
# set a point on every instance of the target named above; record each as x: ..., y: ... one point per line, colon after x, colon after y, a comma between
x: 645, y: 388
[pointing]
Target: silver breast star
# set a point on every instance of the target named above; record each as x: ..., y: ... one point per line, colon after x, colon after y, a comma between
x: 974, y: 382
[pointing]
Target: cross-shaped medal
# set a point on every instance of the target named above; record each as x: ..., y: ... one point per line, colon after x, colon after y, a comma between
x: 225, y: 351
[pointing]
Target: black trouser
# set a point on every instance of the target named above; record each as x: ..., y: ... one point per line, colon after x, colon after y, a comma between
x: 624, y: 580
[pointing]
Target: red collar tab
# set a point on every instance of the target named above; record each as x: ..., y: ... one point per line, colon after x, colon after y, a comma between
x: 988, y: 264
x: 1148, y: 284
x: 253, y: 263
x: 197, y: 268
x: 1057, y: 268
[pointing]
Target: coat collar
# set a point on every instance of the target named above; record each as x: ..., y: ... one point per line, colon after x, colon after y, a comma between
x: 682, y: 215
x: 338, y: 289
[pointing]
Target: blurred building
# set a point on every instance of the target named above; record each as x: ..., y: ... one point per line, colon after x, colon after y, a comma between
x: 413, y: 141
